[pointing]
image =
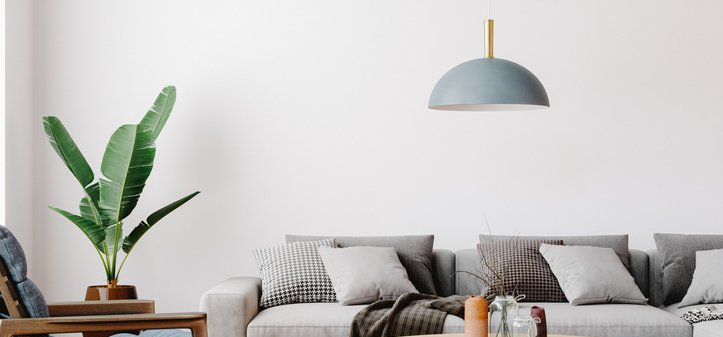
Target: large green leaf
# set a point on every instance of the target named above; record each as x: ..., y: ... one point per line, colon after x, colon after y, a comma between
x: 94, y: 232
x: 130, y: 241
x: 89, y: 205
x: 156, y: 117
x: 113, y: 234
x: 127, y: 163
x: 65, y: 147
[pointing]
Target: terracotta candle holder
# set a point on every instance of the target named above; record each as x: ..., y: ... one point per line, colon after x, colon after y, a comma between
x: 475, y: 317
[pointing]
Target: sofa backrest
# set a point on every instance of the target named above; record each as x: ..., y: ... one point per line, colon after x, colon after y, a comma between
x: 467, y: 260
x: 655, y: 275
x: 443, y: 268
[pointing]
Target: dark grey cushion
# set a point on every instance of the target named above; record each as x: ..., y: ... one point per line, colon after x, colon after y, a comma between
x: 619, y: 243
x: 414, y: 251
x: 677, y: 257
x: 517, y: 267
x: 13, y: 255
x: 32, y: 299
x: 14, y: 258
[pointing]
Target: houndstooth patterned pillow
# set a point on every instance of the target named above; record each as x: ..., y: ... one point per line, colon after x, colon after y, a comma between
x: 294, y: 273
x: 521, y: 268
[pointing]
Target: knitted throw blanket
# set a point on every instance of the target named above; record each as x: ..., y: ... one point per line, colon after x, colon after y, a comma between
x: 707, y: 313
x: 410, y: 314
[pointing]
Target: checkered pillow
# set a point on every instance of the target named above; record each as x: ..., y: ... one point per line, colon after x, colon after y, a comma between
x: 294, y: 273
x: 522, y: 270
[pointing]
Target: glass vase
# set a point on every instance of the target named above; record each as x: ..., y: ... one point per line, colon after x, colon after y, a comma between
x: 503, y: 311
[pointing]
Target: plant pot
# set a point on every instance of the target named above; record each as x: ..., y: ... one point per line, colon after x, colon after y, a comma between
x: 107, y: 293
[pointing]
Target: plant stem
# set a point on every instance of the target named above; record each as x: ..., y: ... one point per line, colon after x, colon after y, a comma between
x: 117, y: 274
x: 116, y: 235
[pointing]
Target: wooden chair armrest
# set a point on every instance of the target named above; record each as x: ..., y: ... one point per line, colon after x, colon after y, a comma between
x: 195, y: 321
x: 89, y: 308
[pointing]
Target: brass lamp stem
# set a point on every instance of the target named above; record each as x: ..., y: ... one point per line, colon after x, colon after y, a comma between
x: 489, y: 38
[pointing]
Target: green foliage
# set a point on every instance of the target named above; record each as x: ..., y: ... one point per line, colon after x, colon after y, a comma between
x: 126, y: 166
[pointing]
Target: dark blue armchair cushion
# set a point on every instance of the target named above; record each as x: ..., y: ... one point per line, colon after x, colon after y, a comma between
x: 12, y: 254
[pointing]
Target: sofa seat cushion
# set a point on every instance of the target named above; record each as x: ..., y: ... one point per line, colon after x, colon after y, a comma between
x: 708, y: 329
x: 611, y: 320
x: 702, y: 329
x: 317, y: 320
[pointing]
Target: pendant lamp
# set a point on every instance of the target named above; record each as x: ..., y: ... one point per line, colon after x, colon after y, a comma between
x: 488, y: 84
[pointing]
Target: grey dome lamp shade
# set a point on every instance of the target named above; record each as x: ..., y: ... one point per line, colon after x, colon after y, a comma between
x: 489, y: 84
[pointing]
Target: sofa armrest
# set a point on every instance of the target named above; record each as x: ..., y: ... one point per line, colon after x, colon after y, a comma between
x: 231, y: 305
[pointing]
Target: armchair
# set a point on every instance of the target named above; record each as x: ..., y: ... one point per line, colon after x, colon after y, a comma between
x: 26, y: 312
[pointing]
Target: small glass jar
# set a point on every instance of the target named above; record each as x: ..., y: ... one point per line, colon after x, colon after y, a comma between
x: 524, y: 326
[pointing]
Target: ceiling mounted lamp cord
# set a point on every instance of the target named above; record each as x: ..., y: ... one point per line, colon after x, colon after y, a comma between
x: 488, y: 83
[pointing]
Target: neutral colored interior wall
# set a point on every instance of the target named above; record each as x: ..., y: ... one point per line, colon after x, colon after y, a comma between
x: 18, y: 123
x: 310, y: 117
x: 2, y: 116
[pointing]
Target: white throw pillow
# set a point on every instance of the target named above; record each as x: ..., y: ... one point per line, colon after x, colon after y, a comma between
x: 707, y: 285
x: 591, y: 275
x: 363, y: 275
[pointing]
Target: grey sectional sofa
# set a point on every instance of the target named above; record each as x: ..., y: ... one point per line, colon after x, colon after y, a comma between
x: 233, y: 311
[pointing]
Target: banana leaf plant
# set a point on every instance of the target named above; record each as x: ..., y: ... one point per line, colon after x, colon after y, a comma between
x: 110, y: 199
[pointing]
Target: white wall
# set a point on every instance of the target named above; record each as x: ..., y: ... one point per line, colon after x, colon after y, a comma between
x: 18, y: 123
x: 2, y: 116
x: 310, y: 117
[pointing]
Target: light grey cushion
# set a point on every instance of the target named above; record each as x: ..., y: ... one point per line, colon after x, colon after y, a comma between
x: 678, y: 310
x: 14, y: 258
x: 702, y: 329
x: 707, y: 284
x: 610, y: 320
x: 590, y: 275
x: 317, y: 320
x: 677, y: 255
x: 619, y: 243
x: 362, y: 275
x: 708, y: 329
x: 414, y: 251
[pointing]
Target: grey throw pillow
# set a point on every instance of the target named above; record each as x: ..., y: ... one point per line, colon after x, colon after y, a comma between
x: 521, y: 270
x: 592, y: 275
x: 414, y: 251
x: 707, y: 284
x: 362, y: 275
x: 619, y: 243
x: 677, y: 255
x: 294, y: 273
